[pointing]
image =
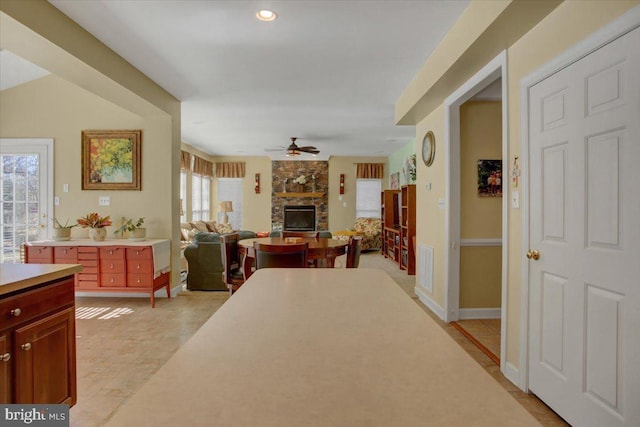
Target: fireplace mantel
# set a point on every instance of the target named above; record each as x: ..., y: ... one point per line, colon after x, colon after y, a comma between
x: 293, y: 194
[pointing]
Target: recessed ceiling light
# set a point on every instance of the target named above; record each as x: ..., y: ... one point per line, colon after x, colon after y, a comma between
x: 266, y: 15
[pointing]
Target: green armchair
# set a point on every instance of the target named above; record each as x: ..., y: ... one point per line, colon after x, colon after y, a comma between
x: 204, y: 257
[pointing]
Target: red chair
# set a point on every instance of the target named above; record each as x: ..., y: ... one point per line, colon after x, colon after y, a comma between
x: 281, y: 256
x: 353, y: 251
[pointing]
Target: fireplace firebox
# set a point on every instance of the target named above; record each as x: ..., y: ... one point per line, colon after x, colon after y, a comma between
x: 299, y: 218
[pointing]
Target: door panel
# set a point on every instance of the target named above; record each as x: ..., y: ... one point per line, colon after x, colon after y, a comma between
x: 584, y: 291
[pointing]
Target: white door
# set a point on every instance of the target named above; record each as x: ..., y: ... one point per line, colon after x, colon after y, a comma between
x: 584, y: 337
x: 26, y: 194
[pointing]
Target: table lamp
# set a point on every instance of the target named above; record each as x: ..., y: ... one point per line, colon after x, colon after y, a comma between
x: 225, y: 207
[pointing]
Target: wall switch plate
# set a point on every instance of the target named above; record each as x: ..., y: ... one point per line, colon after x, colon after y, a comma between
x: 104, y: 200
x: 56, y: 201
x: 65, y: 188
x: 515, y: 200
x: 344, y: 204
x: 428, y: 186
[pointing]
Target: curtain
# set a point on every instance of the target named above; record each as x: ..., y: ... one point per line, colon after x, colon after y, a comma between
x: 202, y: 167
x: 369, y: 170
x: 185, y: 160
x: 230, y: 170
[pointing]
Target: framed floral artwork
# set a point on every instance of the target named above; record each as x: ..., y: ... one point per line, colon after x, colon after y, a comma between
x: 111, y: 160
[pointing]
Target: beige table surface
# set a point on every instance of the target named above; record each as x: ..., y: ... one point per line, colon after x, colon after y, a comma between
x: 321, y: 347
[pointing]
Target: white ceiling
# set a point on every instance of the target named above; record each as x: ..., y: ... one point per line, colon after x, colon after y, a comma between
x: 327, y: 72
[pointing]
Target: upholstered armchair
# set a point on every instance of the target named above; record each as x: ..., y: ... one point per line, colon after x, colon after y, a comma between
x: 204, y: 256
x: 369, y: 228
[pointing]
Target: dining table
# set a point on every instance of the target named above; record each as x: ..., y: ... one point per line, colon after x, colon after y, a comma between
x: 321, y: 347
x: 321, y: 250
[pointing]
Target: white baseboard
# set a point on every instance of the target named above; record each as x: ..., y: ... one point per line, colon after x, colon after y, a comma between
x: 480, y: 313
x: 513, y: 374
x: 430, y: 303
x: 160, y: 293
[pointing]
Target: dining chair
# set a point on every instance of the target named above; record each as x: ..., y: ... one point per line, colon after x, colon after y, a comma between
x: 308, y: 234
x: 232, y: 275
x: 353, y: 251
x: 281, y: 256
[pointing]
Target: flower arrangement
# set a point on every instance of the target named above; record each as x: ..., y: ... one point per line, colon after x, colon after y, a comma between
x: 300, y: 180
x: 129, y: 225
x: 57, y: 224
x: 93, y: 220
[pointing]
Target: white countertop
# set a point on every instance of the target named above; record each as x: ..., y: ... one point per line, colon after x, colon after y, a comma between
x: 321, y: 347
x: 14, y: 277
x: 91, y: 242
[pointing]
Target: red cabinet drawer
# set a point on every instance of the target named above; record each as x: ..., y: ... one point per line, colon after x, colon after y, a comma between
x: 65, y: 252
x: 112, y: 266
x: 139, y: 280
x: 87, y: 252
x: 112, y: 252
x: 40, y: 254
x: 143, y: 266
x: 117, y: 280
x: 142, y: 252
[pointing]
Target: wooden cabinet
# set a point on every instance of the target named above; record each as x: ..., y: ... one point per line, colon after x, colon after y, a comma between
x: 37, y: 344
x: 408, y: 228
x: 399, y: 226
x: 107, y: 266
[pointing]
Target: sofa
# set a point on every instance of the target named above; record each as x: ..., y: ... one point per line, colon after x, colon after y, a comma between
x: 204, y: 259
x: 369, y: 228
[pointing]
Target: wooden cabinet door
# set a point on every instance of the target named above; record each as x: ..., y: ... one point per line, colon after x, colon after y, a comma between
x: 45, y: 360
x: 5, y: 368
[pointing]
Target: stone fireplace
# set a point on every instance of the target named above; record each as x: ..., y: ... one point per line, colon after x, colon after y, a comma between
x: 286, y: 193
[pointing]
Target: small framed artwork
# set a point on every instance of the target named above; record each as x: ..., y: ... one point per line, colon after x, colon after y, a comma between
x: 111, y: 159
x: 394, y: 181
x: 490, y: 178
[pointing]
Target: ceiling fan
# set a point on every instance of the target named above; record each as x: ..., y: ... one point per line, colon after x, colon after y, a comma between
x: 294, y: 150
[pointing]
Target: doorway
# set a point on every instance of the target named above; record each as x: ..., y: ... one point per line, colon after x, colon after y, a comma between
x: 454, y: 239
x: 27, y: 194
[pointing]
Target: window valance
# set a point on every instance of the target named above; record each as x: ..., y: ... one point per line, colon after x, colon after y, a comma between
x: 185, y: 160
x: 202, y: 167
x: 370, y: 170
x: 230, y: 169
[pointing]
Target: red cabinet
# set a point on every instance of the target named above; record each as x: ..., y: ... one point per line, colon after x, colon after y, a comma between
x: 106, y: 268
x: 37, y: 345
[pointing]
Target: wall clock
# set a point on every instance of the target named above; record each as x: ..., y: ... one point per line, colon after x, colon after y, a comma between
x: 428, y: 148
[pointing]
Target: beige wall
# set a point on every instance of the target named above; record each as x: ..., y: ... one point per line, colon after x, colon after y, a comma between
x: 480, y: 217
x: 342, y: 217
x: 563, y: 27
x: 51, y: 107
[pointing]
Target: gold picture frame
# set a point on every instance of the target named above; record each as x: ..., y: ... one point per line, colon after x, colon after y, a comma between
x: 111, y: 159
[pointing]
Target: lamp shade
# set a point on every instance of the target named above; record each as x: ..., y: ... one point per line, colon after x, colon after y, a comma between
x: 225, y: 206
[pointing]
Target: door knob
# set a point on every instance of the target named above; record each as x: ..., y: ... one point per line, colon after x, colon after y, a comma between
x: 5, y: 357
x: 535, y: 255
x: 26, y: 347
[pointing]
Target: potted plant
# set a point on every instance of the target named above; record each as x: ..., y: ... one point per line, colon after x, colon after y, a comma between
x: 61, y: 233
x: 135, y: 229
x: 96, y: 225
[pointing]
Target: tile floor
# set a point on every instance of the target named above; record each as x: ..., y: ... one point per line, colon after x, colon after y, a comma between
x: 122, y: 342
x: 485, y: 331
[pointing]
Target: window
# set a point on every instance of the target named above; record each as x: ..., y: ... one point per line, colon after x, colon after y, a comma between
x: 200, y: 197
x: 368, y: 198
x: 230, y: 189
x: 183, y: 196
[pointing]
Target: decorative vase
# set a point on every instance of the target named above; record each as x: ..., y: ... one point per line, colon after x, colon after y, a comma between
x: 98, y: 234
x: 138, y: 234
x: 300, y: 188
x: 61, y: 234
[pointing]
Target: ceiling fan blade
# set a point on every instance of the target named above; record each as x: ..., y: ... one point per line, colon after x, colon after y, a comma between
x: 311, y: 150
x: 307, y: 147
